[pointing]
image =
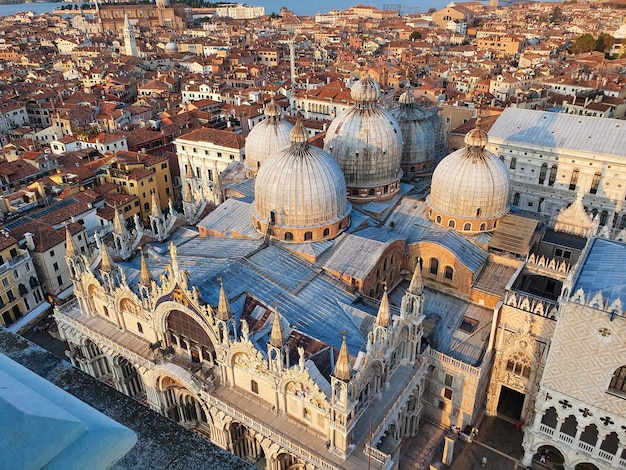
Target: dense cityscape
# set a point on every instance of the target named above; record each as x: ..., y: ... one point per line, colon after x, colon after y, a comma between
x: 369, y: 238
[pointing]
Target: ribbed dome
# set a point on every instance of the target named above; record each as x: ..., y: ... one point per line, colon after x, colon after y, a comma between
x: 366, y: 90
x: 266, y: 137
x: 300, y: 190
x: 366, y: 141
x: 418, y: 133
x: 470, y: 187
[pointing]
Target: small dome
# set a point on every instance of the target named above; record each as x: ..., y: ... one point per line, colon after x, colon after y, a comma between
x: 367, y: 143
x: 171, y: 47
x: 366, y: 90
x: 300, y: 193
x: 470, y: 187
x: 419, y: 133
x: 266, y: 137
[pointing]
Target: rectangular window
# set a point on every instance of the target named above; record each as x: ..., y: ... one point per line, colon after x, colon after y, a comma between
x: 55, y: 266
x: 442, y: 405
x: 60, y: 280
x: 10, y: 295
x: 163, y: 166
x: 448, y: 380
x: 146, y: 206
x: 51, y: 253
x: 447, y: 393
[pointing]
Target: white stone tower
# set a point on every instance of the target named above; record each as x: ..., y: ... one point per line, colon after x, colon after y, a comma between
x: 129, y: 38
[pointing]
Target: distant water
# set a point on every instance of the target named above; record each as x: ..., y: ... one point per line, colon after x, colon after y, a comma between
x: 298, y: 7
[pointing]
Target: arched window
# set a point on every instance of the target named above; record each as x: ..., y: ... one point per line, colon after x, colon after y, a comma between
x: 618, y: 381
x: 448, y: 273
x: 451, y: 223
x: 438, y: 219
x: 574, y: 179
x: 467, y: 227
x: 595, y: 183
x: 308, y: 235
x: 518, y: 365
x: 288, y: 236
x: 542, y: 173
x: 254, y: 387
x: 326, y: 232
x: 513, y: 163
x: 355, y: 192
x: 371, y: 192
x: 105, y: 310
x: 139, y: 327
x: 483, y: 226
x: 604, y: 217
x: 552, y: 177
x: 478, y: 211
x: 516, y: 199
x: 434, y: 266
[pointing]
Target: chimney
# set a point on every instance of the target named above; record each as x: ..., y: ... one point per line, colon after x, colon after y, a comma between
x: 30, y: 242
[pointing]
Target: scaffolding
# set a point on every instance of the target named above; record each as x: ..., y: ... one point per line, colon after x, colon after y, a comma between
x: 402, y: 10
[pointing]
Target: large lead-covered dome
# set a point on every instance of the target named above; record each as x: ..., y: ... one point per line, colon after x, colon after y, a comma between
x: 300, y: 193
x: 419, y: 133
x: 470, y: 187
x: 265, y: 138
x: 367, y: 143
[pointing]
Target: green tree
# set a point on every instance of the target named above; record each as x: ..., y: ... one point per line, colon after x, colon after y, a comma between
x: 556, y: 15
x: 583, y: 43
x: 415, y: 35
x: 431, y: 11
x: 604, y: 43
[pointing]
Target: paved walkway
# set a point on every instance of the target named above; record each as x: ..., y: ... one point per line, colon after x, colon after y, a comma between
x: 417, y: 453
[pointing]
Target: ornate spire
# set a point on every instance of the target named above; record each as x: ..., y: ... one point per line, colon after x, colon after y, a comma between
x: 189, y: 172
x: 224, y: 312
x: 70, y: 247
x: 187, y: 197
x: 574, y: 219
x: 156, y: 207
x: 146, y: 277
x: 106, y: 264
x: 417, y: 286
x: 118, y: 223
x: 276, y: 338
x: 382, y: 319
x: 342, y: 366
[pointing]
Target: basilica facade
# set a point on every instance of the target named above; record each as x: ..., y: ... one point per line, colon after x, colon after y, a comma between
x: 315, y: 323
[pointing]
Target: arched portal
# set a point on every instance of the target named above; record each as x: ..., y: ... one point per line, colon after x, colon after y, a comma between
x: 244, y: 444
x: 551, y: 456
x: 585, y: 466
x: 127, y: 380
x: 181, y: 405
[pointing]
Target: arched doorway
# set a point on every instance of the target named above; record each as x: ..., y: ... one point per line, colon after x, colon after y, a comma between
x: 585, y: 466
x: 551, y: 456
x: 244, y: 444
x: 127, y: 380
x: 180, y: 405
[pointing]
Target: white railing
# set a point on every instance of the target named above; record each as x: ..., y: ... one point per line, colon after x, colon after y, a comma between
x: 622, y: 463
x: 606, y: 456
x: 402, y: 398
x: 565, y: 438
x: 546, y: 429
x: 585, y: 447
x: 455, y: 362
